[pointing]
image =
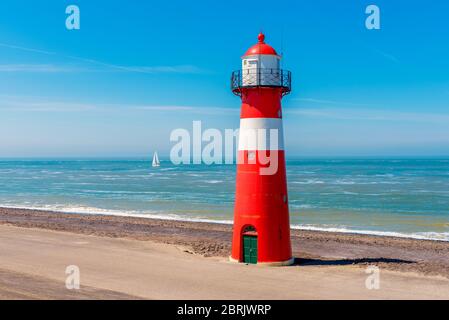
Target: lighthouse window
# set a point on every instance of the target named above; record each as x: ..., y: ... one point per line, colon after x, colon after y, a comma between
x: 249, y: 229
x: 251, y: 155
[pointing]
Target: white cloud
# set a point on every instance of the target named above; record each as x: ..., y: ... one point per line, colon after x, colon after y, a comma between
x: 330, y: 102
x: 44, y: 68
x: 387, y: 56
x: 36, y: 105
x: 164, y: 108
x: 371, y: 115
x: 167, y: 69
x: 181, y: 69
x: 52, y: 68
x: 39, y: 104
x: 5, y: 45
x: 186, y: 69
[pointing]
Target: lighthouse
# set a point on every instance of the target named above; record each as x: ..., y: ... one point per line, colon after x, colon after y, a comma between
x: 261, y: 232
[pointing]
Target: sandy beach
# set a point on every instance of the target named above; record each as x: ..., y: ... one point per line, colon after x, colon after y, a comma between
x: 138, y: 258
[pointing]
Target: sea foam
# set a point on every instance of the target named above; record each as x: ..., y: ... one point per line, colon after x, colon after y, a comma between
x: 435, y: 236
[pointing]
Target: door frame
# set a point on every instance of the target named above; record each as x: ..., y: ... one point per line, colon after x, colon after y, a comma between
x: 249, y: 231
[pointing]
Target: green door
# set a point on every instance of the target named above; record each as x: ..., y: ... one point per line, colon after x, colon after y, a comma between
x: 250, y: 249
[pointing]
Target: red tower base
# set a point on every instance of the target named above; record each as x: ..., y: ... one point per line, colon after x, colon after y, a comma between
x: 261, y: 214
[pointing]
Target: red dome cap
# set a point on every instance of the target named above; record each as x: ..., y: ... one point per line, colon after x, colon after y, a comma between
x: 261, y: 47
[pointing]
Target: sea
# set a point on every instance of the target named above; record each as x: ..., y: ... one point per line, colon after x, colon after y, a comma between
x: 386, y: 197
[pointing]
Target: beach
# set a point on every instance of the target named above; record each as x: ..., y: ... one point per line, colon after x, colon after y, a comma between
x: 132, y: 258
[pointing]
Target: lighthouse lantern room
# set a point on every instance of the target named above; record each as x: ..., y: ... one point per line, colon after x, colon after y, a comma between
x: 261, y: 231
x: 260, y: 65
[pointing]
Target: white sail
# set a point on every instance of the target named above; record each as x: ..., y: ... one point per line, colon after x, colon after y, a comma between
x: 156, y: 162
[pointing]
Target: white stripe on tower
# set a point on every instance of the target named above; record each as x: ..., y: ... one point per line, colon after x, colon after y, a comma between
x: 261, y: 134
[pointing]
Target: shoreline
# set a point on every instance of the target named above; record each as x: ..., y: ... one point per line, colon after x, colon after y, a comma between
x: 322, y: 248
x: 115, y: 213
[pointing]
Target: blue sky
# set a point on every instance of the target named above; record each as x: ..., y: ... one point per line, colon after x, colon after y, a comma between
x: 136, y: 70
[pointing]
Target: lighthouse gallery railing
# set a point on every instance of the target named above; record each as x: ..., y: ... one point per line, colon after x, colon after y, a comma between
x: 260, y: 77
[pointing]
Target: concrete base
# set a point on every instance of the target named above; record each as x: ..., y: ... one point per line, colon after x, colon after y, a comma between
x: 268, y: 264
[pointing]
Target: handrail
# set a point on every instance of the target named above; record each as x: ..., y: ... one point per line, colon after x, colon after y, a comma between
x: 261, y: 77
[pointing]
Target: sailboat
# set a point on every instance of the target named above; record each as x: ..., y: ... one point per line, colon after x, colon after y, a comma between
x: 156, y: 162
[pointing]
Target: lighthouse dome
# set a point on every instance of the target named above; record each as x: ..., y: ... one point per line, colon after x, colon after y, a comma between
x: 261, y: 68
x: 261, y: 47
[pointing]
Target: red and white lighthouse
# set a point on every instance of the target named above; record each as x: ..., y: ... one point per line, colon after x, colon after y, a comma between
x: 261, y: 217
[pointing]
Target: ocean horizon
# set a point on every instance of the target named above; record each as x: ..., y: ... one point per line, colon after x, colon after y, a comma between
x: 403, y: 197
